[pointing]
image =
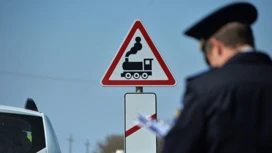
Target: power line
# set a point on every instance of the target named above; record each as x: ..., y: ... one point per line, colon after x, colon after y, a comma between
x: 20, y: 74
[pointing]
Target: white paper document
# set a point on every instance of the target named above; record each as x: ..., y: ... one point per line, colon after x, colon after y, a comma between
x: 160, y: 129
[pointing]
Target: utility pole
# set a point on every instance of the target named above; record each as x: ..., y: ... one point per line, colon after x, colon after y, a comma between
x: 87, y: 144
x: 70, y: 140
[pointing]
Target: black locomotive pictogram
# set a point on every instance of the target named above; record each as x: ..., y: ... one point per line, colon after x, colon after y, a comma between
x: 136, y: 69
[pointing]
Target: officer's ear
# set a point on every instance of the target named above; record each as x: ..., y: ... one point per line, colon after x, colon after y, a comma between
x: 217, y: 46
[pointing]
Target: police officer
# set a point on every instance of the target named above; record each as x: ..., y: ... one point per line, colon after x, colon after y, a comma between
x: 229, y: 108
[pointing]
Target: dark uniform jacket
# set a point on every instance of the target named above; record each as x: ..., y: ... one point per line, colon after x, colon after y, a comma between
x: 227, y: 110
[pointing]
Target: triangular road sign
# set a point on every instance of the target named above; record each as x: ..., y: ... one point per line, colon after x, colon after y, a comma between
x: 138, y: 62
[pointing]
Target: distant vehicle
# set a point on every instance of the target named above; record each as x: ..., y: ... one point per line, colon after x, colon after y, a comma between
x: 26, y: 130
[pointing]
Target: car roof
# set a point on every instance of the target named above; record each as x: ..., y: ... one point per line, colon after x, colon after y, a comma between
x: 17, y: 110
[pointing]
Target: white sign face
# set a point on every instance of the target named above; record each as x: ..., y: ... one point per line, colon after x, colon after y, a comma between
x: 138, y: 62
x: 137, y: 139
x: 139, y: 59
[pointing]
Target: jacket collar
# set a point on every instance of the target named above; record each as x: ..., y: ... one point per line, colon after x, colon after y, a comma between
x: 251, y: 57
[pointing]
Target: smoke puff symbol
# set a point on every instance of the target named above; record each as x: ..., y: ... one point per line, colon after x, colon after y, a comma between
x: 137, y: 46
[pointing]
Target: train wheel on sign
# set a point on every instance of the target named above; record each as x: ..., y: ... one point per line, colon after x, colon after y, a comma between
x: 144, y: 75
x: 136, y: 75
x: 128, y: 75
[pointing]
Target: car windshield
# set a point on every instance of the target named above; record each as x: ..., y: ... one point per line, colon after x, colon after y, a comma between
x: 21, y: 133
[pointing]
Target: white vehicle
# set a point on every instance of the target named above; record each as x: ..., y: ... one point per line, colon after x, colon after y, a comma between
x: 26, y: 130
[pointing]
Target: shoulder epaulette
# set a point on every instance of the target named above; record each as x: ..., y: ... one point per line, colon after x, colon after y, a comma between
x: 199, y: 74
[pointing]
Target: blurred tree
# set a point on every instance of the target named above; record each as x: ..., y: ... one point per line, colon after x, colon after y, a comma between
x: 111, y: 144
